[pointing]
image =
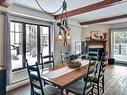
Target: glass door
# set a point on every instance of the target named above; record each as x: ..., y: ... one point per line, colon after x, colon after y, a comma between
x: 45, y: 41
x: 31, y: 43
x: 119, y: 45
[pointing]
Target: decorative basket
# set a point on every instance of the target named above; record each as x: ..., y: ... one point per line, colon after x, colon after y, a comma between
x: 74, y: 64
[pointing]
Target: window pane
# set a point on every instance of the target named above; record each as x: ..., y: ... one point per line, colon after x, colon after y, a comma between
x: 17, y: 27
x: 12, y: 26
x: 16, y: 46
x: 31, y: 44
x: 17, y: 35
x: 12, y: 38
x: 44, y: 34
x: 120, y: 45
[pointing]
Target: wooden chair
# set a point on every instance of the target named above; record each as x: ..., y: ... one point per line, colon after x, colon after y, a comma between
x: 64, y: 56
x: 47, y: 60
x: 36, y: 83
x: 99, y: 79
x: 93, y: 55
x: 84, y: 87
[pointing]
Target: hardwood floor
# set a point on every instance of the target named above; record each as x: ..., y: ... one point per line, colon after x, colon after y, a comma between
x: 115, y: 82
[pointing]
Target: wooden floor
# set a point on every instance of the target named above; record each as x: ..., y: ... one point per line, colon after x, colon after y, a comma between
x: 115, y: 82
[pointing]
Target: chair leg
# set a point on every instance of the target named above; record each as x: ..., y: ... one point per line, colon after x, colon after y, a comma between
x: 32, y: 93
x: 98, y: 88
x: 44, y: 83
x: 92, y: 91
x: 92, y: 88
x: 103, y: 84
x: 67, y: 92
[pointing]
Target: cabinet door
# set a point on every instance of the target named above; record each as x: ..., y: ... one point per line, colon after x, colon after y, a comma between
x: 3, y: 82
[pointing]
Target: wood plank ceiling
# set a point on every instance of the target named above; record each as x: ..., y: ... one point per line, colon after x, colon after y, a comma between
x: 83, y: 11
x: 96, y: 6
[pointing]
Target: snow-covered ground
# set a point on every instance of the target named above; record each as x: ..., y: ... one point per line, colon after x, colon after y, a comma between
x: 119, y: 57
x: 31, y: 60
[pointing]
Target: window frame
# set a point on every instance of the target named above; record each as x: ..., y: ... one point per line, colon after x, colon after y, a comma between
x: 38, y: 42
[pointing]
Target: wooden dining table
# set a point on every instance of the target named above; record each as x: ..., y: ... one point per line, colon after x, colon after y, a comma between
x: 62, y: 76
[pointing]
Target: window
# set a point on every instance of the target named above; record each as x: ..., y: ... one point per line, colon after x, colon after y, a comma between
x: 16, y: 45
x: 27, y: 42
x: 44, y: 32
x: 119, y: 45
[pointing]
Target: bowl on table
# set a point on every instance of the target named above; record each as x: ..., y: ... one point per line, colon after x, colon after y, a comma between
x: 74, y: 64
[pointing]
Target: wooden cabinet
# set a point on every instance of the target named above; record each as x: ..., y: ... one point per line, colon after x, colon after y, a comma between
x: 2, y: 80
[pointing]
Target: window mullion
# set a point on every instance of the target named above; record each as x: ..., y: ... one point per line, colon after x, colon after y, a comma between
x: 38, y: 44
x: 24, y: 45
x: 49, y: 40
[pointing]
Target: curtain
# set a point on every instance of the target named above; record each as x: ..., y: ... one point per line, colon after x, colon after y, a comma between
x: 53, y: 38
x: 110, y: 44
x: 7, y: 48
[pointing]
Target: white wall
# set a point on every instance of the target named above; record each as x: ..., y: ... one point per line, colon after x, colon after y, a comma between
x: 97, y: 27
x: 75, y: 36
x: 119, y: 25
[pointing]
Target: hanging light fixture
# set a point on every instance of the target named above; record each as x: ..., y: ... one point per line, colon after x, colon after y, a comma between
x: 63, y: 25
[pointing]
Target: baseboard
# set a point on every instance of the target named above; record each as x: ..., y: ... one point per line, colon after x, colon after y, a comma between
x: 16, y: 85
x: 120, y: 63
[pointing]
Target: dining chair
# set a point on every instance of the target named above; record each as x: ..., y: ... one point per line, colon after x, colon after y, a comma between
x: 93, y: 54
x: 99, y: 79
x: 64, y: 56
x: 36, y: 82
x: 84, y: 87
x: 47, y: 61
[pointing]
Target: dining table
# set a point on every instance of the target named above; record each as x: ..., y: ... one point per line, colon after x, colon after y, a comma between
x: 62, y: 76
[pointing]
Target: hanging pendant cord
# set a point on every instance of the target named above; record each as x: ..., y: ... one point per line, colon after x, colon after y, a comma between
x: 47, y: 11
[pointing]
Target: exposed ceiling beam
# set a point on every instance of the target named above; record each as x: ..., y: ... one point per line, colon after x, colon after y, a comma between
x: 6, y: 3
x: 96, y: 6
x: 104, y: 19
x: 2, y: 1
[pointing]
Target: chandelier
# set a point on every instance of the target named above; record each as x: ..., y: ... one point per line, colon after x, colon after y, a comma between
x: 63, y: 25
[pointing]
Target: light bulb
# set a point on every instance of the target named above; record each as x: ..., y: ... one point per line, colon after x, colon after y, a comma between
x: 68, y: 36
x: 60, y: 35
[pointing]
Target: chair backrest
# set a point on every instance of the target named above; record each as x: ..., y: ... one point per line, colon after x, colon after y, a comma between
x: 91, y: 73
x: 102, y: 67
x: 93, y: 55
x: 35, y: 79
x: 64, y: 56
x: 47, y: 59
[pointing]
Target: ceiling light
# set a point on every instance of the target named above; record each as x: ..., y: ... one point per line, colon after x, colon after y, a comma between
x: 63, y: 25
